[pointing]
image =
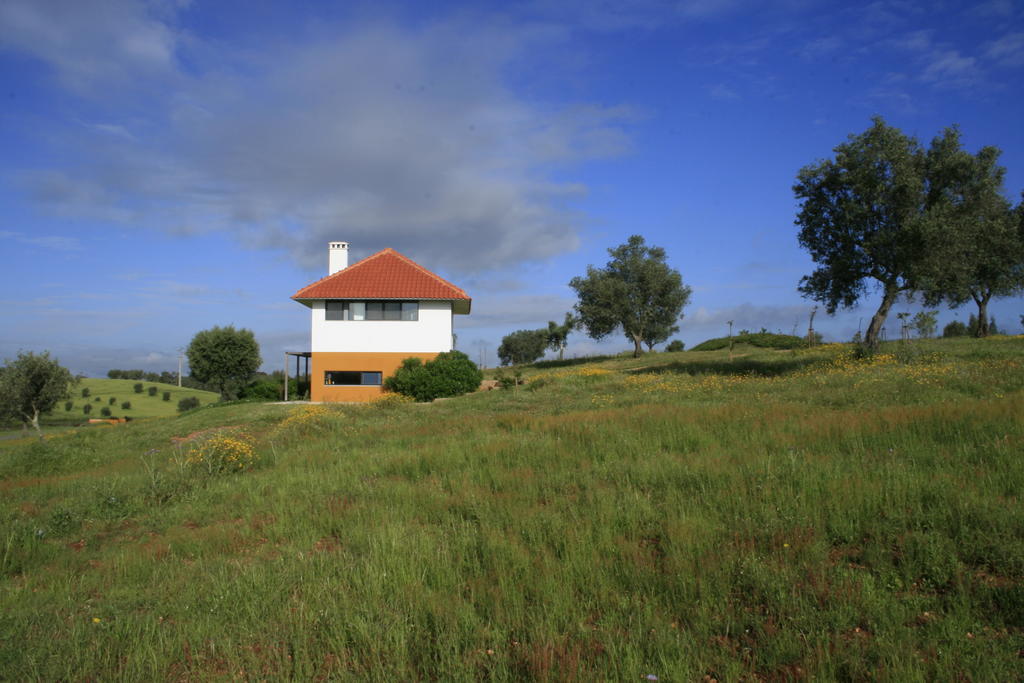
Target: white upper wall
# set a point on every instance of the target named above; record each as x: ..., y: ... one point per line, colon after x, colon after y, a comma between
x: 432, y: 333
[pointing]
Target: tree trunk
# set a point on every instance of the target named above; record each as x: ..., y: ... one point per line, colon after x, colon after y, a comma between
x: 638, y: 346
x: 561, y: 350
x: 982, y: 301
x: 35, y: 423
x: 878, y: 319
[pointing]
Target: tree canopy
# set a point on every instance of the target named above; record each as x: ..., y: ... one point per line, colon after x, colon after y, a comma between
x: 558, y: 334
x: 973, y: 239
x: 887, y: 211
x: 858, y: 218
x: 523, y: 346
x: 636, y: 292
x: 30, y: 386
x: 224, y: 357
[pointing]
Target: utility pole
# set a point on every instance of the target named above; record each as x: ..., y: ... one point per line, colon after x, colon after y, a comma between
x: 179, y: 367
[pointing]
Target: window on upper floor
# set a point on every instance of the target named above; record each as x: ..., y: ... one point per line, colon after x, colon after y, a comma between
x: 373, y: 310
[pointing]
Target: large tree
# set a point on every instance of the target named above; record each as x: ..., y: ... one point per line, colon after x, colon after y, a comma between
x: 636, y: 292
x: 224, y: 357
x: 973, y: 240
x: 30, y: 386
x: 860, y: 219
x: 522, y: 346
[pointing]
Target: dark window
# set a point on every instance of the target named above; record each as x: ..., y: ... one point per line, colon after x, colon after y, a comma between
x: 336, y: 310
x: 350, y: 378
x: 372, y: 310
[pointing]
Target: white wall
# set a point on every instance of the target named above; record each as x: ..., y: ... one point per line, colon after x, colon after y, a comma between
x: 432, y: 333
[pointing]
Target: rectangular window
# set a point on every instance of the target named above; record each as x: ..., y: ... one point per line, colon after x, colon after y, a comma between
x: 336, y: 310
x: 372, y: 310
x: 348, y: 378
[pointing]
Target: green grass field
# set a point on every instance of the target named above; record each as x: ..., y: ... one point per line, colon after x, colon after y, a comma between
x: 784, y: 515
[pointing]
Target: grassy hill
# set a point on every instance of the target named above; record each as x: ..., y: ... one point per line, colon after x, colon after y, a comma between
x: 101, y: 391
x: 763, y: 340
x: 783, y: 515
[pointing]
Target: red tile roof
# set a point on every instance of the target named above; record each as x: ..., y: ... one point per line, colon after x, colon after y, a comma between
x: 385, y: 275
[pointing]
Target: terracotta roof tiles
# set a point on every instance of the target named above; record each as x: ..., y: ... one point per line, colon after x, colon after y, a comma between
x: 385, y: 275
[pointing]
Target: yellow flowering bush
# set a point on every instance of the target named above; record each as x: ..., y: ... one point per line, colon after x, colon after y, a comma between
x: 393, y: 400
x: 304, y: 418
x: 649, y: 383
x: 580, y: 372
x: 222, y: 454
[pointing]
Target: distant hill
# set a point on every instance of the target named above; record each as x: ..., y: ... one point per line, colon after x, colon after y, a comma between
x: 763, y: 340
x: 121, y: 390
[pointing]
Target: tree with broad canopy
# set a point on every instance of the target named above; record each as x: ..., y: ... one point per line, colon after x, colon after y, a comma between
x: 636, y: 292
x: 224, y: 357
x: 30, y: 386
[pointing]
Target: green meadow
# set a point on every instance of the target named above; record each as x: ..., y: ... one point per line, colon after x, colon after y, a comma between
x: 716, y: 515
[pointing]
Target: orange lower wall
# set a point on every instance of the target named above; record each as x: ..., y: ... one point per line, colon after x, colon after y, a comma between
x: 385, y: 363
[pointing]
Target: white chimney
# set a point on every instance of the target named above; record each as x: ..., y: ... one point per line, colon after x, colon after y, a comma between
x: 337, y: 257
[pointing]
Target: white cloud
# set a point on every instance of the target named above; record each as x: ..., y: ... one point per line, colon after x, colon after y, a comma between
x: 949, y: 68
x: 1008, y: 50
x: 376, y: 134
x: 52, y: 242
x: 723, y: 93
x: 90, y: 43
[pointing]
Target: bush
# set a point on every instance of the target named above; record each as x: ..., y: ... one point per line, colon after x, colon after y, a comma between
x: 68, y: 405
x: 126, y: 405
x: 85, y: 392
x: 87, y: 408
x: 112, y: 401
x: 167, y: 396
x: 392, y: 401
x: 675, y: 346
x: 449, y: 374
x: 267, y: 389
x: 97, y: 399
x: 222, y: 454
x: 955, y: 329
x: 105, y: 411
x: 151, y: 391
x: 186, y: 404
x: 508, y: 381
x: 138, y: 387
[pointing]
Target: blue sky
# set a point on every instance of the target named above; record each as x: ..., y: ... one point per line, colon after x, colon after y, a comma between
x: 169, y: 166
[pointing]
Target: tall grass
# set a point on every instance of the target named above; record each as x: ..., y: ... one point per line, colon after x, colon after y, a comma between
x: 811, y: 516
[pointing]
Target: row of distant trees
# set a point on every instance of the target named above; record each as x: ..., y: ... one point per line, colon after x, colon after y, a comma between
x: 526, y: 346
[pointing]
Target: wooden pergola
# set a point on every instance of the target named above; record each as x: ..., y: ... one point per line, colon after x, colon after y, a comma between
x: 298, y: 355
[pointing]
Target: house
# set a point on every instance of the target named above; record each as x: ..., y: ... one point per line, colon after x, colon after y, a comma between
x: 368, y: 317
